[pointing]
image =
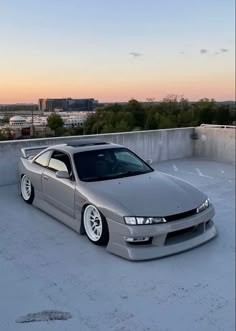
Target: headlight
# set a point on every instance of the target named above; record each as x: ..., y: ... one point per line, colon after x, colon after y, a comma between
x: 203, y: 206
x: 144, y: 220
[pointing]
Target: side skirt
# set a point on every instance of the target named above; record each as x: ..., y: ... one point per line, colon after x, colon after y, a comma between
x: 59, y: 215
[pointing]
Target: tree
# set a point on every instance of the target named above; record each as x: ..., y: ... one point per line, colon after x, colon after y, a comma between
x: 166, y: 122
x: 122, y: 126
x: 113, y: 107
x: 2, y: 137
x: 55, y: 121
x: 222, y: 115
x: 170, y: 103
x: 137, y: 110
x: 206, y: 110
x: 5, y: 119
x: 108, y: 128
x: 151, y: 121
x: 184, y: 118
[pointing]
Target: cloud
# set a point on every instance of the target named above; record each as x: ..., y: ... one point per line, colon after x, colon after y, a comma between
x: 135, y: 54
x: 203, y: 51
x: 221, y: 51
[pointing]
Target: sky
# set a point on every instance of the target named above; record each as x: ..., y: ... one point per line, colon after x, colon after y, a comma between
x: 115, y: 50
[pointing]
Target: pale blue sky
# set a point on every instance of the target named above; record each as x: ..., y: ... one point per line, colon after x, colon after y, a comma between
x: 114, y: 50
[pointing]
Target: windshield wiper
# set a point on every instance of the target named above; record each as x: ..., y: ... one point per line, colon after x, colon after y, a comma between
x: 131, y: 173
x: 93, y: 179
x: 114, y: 176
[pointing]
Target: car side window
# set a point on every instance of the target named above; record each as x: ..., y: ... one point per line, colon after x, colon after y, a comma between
x: 43, y: 159
x: 60, y: 161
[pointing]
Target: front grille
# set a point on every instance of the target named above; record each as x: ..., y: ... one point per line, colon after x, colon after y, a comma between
x: 182, y: 231
x: 181, y: 215
x: 179, y: 236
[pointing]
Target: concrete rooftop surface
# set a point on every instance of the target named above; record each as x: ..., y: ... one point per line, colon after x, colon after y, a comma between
x: 46, y: 266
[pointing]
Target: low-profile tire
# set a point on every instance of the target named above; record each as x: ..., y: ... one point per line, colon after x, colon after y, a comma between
x: 27, y: 190
x: 95, y: 226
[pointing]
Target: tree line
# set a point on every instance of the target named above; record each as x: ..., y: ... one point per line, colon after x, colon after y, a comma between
x: 171, y: 112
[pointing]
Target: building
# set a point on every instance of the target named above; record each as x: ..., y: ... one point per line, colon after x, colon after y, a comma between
x: 42, y: 104
x: 18, y: 109
x: 73, y: 121
x: 67, y: 104
x: 23, y: 127
x: 17, y: 121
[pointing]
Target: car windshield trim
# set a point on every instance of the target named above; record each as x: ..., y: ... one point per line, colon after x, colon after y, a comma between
x: 121, y: 175
x: 108, y: 164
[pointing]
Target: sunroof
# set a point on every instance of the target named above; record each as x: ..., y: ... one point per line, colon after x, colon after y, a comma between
x: 86, y: 142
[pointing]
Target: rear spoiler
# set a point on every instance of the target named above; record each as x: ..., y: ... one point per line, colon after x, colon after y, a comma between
x: 25, y: 150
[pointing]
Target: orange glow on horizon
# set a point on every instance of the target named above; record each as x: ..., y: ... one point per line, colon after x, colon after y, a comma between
x: 108, y: 88
x: 27, y: 94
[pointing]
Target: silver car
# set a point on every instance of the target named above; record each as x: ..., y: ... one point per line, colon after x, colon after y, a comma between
x: 110, y: 194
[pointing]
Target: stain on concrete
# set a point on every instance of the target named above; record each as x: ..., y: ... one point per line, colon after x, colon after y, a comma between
x: 46, y: 315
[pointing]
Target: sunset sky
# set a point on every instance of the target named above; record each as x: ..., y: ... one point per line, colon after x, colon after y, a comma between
x: 115, y: 50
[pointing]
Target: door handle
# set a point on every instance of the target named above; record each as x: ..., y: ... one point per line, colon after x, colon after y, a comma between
x: 45, y: 177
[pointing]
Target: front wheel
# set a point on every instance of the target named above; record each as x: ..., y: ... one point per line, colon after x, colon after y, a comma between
x: 95, y: 226
x: 27, y: 190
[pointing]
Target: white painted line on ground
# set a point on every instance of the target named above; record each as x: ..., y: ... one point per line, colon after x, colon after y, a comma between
x: 201, y: 174
x: 199, y: 171
x: 175, y: 168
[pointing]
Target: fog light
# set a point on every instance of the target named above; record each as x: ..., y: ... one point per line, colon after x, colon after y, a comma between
x: 132, y: 240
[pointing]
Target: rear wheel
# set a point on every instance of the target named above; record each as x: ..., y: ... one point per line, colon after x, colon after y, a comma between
x: 95, y: 226
x: 27, y: 190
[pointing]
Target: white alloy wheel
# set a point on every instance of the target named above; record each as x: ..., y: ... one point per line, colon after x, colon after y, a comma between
x: 93, y: 223
x: 26, y: 189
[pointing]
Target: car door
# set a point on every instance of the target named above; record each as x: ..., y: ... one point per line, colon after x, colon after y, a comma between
x: 59, y: 192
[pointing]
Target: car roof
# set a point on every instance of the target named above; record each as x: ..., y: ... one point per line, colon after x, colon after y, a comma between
x: 80, y: 145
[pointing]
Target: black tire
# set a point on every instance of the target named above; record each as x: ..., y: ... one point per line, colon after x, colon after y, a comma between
x: 27, y: 189
x: 103, y: 238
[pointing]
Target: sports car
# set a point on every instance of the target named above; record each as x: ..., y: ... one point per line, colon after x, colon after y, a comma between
x: 118, y: 200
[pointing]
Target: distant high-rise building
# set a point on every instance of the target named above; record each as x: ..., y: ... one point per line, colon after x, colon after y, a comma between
x: 42, y: 104
x: 67, y: 104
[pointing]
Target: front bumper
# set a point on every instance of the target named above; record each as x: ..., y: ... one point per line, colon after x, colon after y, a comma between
x: 165, y: 239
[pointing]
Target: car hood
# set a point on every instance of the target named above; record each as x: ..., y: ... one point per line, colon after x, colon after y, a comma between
x: 152, y: 194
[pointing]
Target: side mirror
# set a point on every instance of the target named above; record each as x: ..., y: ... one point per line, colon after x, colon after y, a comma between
x: 62, y: 174
x: 149, y: 161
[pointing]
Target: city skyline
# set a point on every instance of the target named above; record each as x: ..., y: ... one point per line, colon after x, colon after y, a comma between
x: 116, y: 50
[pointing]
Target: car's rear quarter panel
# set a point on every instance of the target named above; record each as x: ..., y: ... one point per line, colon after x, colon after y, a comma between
x: 33, y: 171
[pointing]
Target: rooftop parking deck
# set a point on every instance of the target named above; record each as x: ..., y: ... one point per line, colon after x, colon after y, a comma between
x: 46, y: 266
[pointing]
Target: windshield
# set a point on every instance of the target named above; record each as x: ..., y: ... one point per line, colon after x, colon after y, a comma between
x: 105, y: 164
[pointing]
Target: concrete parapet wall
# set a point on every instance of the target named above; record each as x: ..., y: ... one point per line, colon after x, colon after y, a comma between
x: 158, y: 145
x: 215, y: 144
